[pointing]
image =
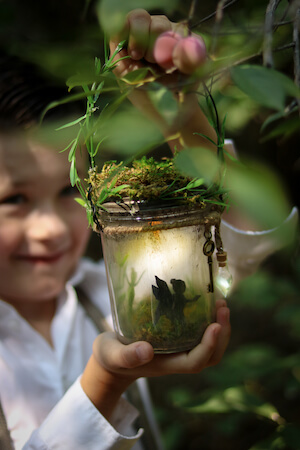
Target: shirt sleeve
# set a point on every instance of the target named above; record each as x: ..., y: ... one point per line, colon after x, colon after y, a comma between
x: 75, y: 424
x: 246, y: 250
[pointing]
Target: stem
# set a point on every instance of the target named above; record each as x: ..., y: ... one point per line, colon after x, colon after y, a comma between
x: 205, y: 19
x: 216, y: 28
x: 268, y: 33
x: 284, y: 47
x: 191, y: 13
x: 217, y: 123
x: 106, y: 55
x: 296, y: 29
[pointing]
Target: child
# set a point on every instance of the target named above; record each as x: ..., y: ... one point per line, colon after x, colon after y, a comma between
x: 61, y: 383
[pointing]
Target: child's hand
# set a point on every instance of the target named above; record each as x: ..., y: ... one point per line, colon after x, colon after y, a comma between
x: 114, y: 366
x: 138, y: 359
x: 141, y: 31
x: 156, y: 40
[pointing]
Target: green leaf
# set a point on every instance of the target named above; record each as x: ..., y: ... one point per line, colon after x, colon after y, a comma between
x: 195, y: 183
x: 109, y: 64
x: 72, y: 150
x: 268, y: 87
x: 272, y: 118
x: 198, y: 163
x: 110, y: 109
x: 97, y: 65
x: 70, y: 144
x: 81, y: 201
x: 136, y: 76
x: 239, y: 399
x: 164, y: 102
x: 127, y: 132
x: 117, y: 189
x: 258, y: 192
x: 88, y: 77
x: 112, y: 13
x: 192, y: 185
x: 206, y: 137
x: 285, y: 129
x: 73, y: 173
x: 71, y: 124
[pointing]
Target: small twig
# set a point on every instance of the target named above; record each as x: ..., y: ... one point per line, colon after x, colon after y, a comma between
x: 219, y: 10
x: 268, y: 32
x: 250, y: 30
x: 210, y: 16
x: 191, y: 13
x: 282, y: 23
x: 219, y: 16
x: 218, y: 75
x: 231, y: 32
x: 296, y: 29
x: 284, y: 47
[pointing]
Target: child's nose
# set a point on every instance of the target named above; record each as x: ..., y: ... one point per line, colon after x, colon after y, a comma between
x: 46, y: 224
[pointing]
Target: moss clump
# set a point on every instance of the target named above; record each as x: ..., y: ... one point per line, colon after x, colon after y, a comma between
x: 146, y: 180
x: 167, y: 335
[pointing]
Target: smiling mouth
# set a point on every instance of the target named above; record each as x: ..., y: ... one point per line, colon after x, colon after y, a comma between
x: 42, y: 259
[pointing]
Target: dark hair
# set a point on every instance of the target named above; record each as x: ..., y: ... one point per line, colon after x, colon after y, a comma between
x: 25, y: 92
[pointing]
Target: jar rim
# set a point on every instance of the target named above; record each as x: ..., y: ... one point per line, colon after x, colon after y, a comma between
x: 131, y: 216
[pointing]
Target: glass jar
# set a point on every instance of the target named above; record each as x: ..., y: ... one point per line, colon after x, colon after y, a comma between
x: 159, y: 270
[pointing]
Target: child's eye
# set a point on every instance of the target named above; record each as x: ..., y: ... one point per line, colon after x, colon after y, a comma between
x: 69, y: 191
x: 17, y: 199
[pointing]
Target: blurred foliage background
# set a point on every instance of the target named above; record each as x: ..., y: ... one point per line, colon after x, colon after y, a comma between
x: 251, y: 400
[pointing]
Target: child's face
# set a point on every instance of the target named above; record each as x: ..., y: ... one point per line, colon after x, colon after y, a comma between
x: 43, y: 231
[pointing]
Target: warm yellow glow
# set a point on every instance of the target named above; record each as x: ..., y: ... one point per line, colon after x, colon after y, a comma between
x: 173, y: 253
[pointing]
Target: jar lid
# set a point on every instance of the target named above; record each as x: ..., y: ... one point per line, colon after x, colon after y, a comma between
x: 129, y: 216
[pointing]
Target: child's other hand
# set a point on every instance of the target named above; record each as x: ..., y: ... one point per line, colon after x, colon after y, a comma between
x: 138, y: 360
x: 114, y: 366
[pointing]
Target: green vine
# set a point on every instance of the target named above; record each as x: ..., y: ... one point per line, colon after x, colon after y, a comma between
x: 153, y: 180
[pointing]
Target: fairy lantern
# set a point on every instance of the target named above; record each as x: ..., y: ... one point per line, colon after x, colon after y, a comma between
x: 158, y: 242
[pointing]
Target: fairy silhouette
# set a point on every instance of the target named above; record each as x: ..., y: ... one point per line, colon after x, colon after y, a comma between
x: 170, y: 305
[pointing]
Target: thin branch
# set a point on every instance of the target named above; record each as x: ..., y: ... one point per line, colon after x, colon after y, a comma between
x: 216, y: 29
x: 268, y: 32
x: 221, y: 72
x: 210, y: 16
x: 296, y: 30
x: 191, y: 13
x: 249, y: 30
x: 284, y: 47
x: 282, y: 23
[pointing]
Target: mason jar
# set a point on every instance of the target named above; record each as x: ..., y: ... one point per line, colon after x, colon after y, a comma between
x: 159, y: 268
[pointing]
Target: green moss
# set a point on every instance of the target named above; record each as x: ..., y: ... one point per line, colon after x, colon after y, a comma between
x: 166, y: 334
x: 149, y: 180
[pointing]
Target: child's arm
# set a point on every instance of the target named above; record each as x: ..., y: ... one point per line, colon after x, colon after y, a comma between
x: 140, y: 31
x: 114, y: 366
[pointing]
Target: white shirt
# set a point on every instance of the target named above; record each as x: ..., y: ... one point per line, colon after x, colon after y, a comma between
x: 34, y: 378
x: 39, y: 385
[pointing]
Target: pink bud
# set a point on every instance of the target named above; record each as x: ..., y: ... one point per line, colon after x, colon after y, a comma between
x: 189, y: 54
x: 163, y: 49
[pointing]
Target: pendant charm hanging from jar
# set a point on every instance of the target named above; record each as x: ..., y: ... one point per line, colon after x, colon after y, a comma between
x: 208, y: 250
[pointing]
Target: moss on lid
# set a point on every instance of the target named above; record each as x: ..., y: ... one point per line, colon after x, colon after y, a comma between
x: 148, y: 180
